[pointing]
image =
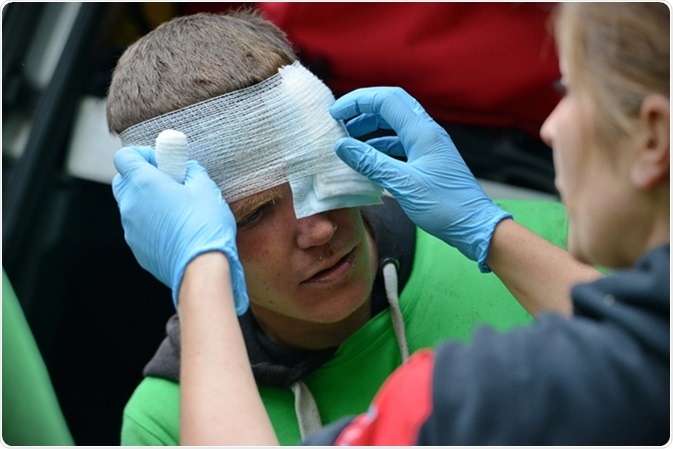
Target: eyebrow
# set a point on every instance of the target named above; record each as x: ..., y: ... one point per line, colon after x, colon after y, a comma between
x: 247, y: 205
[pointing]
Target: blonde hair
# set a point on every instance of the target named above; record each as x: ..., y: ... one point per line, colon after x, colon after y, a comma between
x: 190, y: 59
x: 617, y: 54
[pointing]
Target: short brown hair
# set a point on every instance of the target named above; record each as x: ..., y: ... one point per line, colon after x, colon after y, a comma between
x: 190, y: 59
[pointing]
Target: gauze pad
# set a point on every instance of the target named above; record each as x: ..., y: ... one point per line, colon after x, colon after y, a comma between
x: 256, y: 138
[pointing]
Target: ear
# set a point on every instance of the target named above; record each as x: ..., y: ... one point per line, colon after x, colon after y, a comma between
x: 651, y: 166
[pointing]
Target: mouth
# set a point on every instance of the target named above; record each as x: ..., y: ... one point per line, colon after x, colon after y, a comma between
x: 334, y: 273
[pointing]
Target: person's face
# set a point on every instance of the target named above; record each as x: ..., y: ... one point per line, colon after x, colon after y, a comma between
x: 317, y: 269
x: 589, y: 178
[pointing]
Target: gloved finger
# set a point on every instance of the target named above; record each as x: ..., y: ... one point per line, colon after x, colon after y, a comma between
x: 371, y: 163
x: 366, y: 123
x: 197, y: 176
x: 390, y: 145
x: 353, y: 103
x: 148, y: 153
x: 130, y: 158
x: 117, y: 183
x: 388, y: 102
x: 395, y: 107
x: 136, y: 176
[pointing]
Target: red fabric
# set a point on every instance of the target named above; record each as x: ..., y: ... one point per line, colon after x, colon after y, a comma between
x: 473, y: 63
x: 399, y: 409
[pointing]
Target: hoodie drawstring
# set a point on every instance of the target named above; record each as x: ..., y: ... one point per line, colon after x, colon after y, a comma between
x: 306, y: 409
x: 390, y: 282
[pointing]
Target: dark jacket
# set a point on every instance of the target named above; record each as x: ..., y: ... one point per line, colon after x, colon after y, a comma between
x: 601, y: 377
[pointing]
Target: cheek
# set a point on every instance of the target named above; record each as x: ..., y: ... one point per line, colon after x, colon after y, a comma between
x: 349, y: 221
x: 570, y: 176
x: 262, y: 260
x: 595, y: 207
x: 573, y: 176
x: 575, y: 183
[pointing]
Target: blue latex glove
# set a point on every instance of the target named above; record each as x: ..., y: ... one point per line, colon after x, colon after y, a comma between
x: 167, y: 224
x: 434, y: 186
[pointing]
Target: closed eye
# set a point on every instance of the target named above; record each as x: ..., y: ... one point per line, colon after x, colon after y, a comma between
x: 257, y: 214
x: 252, y: 217
x: 249, y: 211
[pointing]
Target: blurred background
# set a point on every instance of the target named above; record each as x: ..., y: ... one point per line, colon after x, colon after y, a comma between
x: 484, y: 71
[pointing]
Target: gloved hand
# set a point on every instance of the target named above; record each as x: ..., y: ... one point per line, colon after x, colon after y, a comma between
x: 167, y: 224
x: 434, y: 186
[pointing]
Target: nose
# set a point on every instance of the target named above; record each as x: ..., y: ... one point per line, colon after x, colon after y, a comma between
x: 547, y: 130
x: 315, y: 230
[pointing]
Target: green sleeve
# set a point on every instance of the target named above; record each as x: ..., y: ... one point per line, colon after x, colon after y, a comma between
x: 152, y: 415
x: 31, y: 414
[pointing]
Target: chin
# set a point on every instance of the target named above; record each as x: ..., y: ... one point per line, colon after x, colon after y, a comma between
x: 339, y: 308
x: 589, y: 255
x: 576, y: 250
x: 335, y: 314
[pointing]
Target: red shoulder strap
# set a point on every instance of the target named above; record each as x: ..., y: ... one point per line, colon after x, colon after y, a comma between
x: 399, y: 409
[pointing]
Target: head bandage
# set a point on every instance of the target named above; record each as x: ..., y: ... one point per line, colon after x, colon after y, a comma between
x: 273, y: 132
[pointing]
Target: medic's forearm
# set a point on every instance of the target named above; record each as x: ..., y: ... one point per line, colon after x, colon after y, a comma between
x: 538, y: 273
x: 220, y: 403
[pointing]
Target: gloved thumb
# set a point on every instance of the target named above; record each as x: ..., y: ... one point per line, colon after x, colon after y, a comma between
x: 370, y: 162
x: 126, y: 159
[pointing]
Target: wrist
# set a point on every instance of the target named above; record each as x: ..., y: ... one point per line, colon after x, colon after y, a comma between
x: 500, y: 240
x: 489, y: 231
x: 207, y: 264
x: 206, y: 269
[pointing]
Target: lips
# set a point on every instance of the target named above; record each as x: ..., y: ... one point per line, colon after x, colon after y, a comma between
x: 334, y: 273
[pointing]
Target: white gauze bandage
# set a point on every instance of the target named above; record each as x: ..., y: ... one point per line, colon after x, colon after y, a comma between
x: 256, y: 138
x: 171, y: 154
